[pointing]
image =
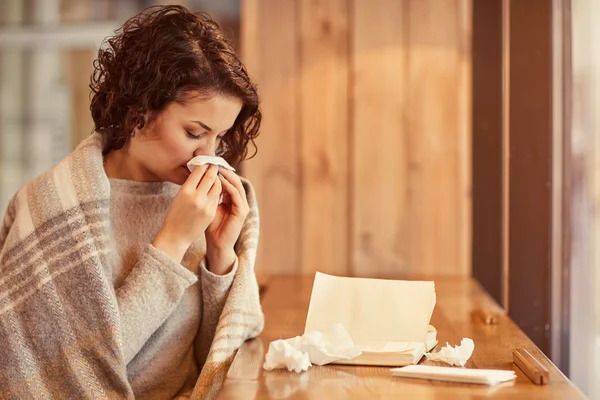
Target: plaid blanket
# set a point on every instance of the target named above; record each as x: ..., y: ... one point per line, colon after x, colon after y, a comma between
x: 59, y: 318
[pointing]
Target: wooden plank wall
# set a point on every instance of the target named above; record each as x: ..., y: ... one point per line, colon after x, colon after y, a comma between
x: 380, y: 181
x: 323, y: 121
x: 364, y: 156
x: 268, y: 36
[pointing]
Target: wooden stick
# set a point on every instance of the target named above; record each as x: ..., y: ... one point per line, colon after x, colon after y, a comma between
x: 531, y: 366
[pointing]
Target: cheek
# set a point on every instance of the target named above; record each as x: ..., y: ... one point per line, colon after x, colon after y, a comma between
x: 173, y: 145
x: 178, y: 151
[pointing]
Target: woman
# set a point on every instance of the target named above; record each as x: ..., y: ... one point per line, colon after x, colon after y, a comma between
x: 123, y: 274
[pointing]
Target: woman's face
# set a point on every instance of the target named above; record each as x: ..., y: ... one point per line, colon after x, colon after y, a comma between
x: 182, y: 131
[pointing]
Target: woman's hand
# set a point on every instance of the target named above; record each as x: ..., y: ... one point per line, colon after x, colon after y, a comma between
x: 226, y: 227
x: 192, y: 210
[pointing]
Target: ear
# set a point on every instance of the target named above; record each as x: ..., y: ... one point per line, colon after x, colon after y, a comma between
x: 142, y: 123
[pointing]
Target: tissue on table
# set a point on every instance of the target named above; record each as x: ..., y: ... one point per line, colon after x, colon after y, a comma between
x: 454, y: 355
x: 201, y: 160
x: 282, y: 354
x: 314, y: 347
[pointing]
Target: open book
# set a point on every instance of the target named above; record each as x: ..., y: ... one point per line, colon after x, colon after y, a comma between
x: 387, y: 319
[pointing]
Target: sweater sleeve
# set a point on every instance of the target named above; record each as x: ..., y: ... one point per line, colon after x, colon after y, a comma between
x: 215, y: 289
x: 148, y: 296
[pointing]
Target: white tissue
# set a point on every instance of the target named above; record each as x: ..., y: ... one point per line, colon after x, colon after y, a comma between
x: 457, y: 355
x: 282, y: 354
x: 201, y: 160
x: 299, y: 353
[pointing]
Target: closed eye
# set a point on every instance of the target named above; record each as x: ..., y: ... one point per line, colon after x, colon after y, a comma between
x: 193, y: 136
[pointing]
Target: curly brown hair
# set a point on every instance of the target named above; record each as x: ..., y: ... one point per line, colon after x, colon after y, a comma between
x: 162, y: 55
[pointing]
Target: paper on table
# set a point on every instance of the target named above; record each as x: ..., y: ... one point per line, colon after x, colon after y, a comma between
x: 201, y: 160
x: 457, y: 355
x: 372, y: 309
x: 450, y: 374
x: 320, y: 348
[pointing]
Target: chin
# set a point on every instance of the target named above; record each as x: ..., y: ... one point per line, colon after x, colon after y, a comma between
x: 180, y: 176
x: 177, y: 181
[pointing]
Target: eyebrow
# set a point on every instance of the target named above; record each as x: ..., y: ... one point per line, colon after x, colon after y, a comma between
x: 208, y: 128
x: 202, y: 124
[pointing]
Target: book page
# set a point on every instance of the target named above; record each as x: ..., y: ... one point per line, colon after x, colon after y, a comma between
x: 373, y: 346
x: 372, y: 309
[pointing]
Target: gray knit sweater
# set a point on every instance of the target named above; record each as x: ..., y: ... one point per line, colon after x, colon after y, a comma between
x: 65, y: 332
x: 169, y: 311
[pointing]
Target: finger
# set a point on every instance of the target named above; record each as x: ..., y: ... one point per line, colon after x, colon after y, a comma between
x: 237, y: 201
x: 215, y: 191
x: 234, y: 179
x: 208, y: 180
x: 225, y: 197
x: 191, y: 183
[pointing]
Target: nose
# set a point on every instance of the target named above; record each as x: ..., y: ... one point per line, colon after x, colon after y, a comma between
x: 208, y: 148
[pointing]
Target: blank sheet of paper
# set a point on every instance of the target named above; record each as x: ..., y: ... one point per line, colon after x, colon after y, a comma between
x: 372, y: 309
x: 450, y: 374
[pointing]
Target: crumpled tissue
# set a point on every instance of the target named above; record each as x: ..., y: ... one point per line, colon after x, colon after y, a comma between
x: 301, y: 352
x: 201, y: 160
x: 457, y: 355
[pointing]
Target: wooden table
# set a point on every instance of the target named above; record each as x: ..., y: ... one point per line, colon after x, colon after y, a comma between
x: 285, y: 304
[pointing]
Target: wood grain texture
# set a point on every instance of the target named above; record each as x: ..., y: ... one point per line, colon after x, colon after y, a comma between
x: 412, y: 144
x: 380, y: 184
x: 365, y: 148
x: 286, y: 304
x: 269, y: 38
x: 439, y: 86
x: 323, y: 69
x: 531, y: 366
